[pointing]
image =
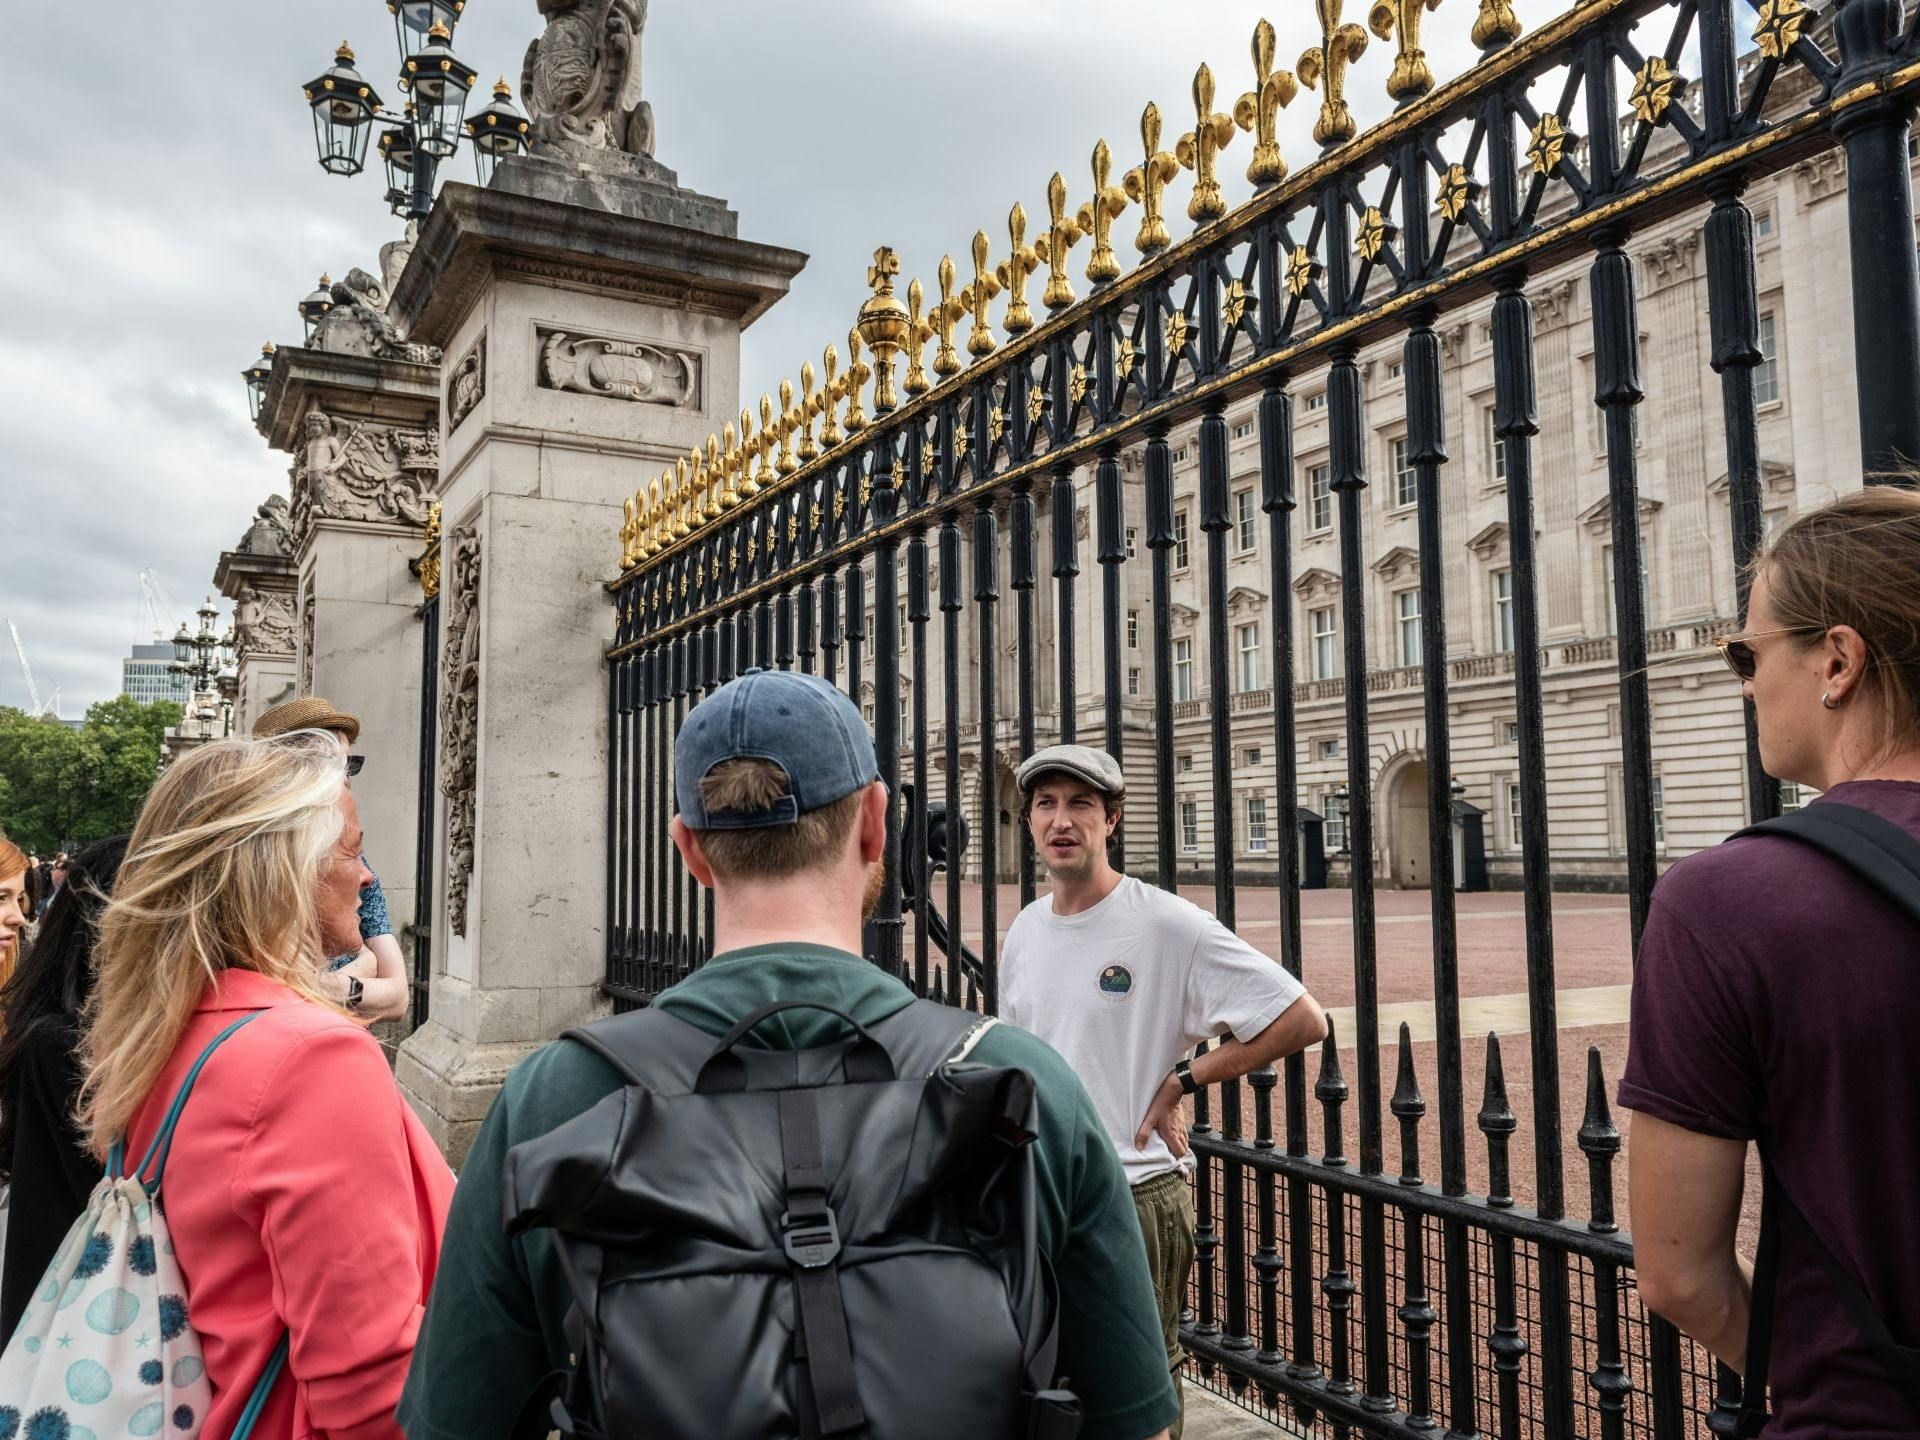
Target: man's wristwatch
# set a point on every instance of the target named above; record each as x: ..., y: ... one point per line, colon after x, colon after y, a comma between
x: 1183, y: 1072
x: 356, y: 992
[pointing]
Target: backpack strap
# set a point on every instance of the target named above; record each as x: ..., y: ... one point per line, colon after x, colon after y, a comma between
x: 1888, y: 858
x: 810, y: 1234
x: 162, y: 1143
x: 1875, y: 849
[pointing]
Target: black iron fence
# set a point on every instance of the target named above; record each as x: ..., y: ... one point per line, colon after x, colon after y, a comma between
x: 1325, y: 1286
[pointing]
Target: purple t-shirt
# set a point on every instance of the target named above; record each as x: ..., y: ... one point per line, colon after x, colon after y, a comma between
x: 1777, y: 991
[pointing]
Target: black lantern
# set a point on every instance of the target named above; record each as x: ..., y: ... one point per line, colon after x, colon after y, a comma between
x: 1337, y: 801
x: 343, y: 109
x: 496, y: 132
x: 256, y: 375
x: 314, y: 308
x: 182, y: 648
x: 397, y: 154
x: 439, y: 85
x: 413, y: 21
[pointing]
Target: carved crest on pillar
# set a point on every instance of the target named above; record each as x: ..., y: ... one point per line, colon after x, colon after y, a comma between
x: 361, y: 470
x: 581, y: 78
x: 619, y: 369
x: 460, y: 715
x: 358, y: 324
x: 467, y: 387
x: 262, y: 623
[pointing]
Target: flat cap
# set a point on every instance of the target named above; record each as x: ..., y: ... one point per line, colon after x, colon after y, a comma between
x: 1083, y: 762
x: 311, y: 713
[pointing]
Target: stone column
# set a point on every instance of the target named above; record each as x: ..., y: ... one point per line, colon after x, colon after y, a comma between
x: 591, y: 311
x: 259, y: 576
x: 358, y: 410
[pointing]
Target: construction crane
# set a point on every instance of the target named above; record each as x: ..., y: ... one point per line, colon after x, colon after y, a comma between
x: 52, y: 707
x: 160, y: 603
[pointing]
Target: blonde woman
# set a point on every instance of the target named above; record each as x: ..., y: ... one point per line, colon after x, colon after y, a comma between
x: 303, y: 1196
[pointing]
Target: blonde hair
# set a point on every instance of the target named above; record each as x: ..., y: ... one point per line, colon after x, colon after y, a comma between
x: 221, y: 874
x: 13, y: 861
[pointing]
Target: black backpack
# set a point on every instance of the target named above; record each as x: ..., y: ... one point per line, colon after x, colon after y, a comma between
x: 1888, y: 858
x: 801, y: 1243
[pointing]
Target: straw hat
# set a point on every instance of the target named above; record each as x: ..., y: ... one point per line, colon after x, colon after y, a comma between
x: 312, y: 713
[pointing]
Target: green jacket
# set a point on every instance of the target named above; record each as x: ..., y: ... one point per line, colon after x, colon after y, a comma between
x: 493, y: 1323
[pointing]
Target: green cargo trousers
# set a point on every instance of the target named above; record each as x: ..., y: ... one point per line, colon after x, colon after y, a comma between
x: 1165, y: 1207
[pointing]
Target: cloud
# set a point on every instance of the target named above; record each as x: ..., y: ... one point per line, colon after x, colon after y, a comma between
x: 161, y: 230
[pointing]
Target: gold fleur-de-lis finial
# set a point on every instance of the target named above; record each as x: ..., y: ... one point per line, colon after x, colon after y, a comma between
x: 1097, y: 215
x: 682, y: 500
x: 1496, y: 25
x: 977, y: 296
x: 1340, y: 45
x: 1147, y: 183
x: 857, y: 376
x: 1411, y: 77
x: 919, y: 331
x: 1656, y: 85
x: 655, y: 539
x: 789, y: 422
x: 808, y: 448
x: 716, y: 472
x: 764, y: 443
x: 1199, y: 150
x: 697, y: 488
x: 946, y: 359
x: 729, y: 467
x: 749, y: 447
x: 629, y: 532
x: 828, y: 400
x: 1061, y: 234
x: 1259, y: 109
x: 1013, y: 271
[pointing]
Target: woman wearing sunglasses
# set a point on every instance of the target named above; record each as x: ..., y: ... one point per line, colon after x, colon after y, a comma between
x: 1776, y: 1000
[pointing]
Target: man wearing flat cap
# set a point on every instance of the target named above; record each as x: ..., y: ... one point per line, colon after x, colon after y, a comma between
x: 1124, y: 980
x: 372, y: 981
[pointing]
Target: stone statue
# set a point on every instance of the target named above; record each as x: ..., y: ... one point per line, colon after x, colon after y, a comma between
x: 262, y: 622
x: 271, y: 532
x: 358, y: 324
x: 581, y: 79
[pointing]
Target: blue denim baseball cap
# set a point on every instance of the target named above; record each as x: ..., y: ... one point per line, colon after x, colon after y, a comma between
x: 799, y: 722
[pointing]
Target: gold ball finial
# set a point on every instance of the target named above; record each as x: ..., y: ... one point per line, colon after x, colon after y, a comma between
x: 501, y: 90
x: 438, y: 31
x: 344, y: 54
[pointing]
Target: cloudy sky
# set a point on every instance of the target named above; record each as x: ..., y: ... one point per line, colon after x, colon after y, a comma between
x: 166, y: 213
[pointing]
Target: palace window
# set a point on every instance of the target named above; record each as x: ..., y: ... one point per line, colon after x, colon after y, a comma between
x: 1133, y: 536
x: 1133, y: 680
x: 1183, y: 669
x: 1406, y: 610
x: 1180, y: 455
x: 1503, y: 611
x: 1335, y: 834
x: 1326, y: 643
x: 1513, y: 815
x: 1189, y: 825
x: 1328, y: 749
x: 1496, y: 452
x: 1315, y: 401
x: 1320, y: 492
x: 1509, y: 732
x: 1256, y: 824
x: 1133, y: 629
x: 1244, y: 511
x: 1182, y: 549
x: 1766, y: 375
x: 1243, y: 430
x: 1394, y: 367
x: 1184, y: 763
x: 1406, y: 480
x: 1251, y: 755
x: 1249, y: 650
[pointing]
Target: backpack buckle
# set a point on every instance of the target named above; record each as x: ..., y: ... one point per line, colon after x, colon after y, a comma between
x: 812, y: 1241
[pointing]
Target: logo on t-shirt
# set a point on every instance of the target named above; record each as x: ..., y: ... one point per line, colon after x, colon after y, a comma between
x: 1116, y: 982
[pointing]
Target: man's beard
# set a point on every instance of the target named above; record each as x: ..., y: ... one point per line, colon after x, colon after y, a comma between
x: 876, y: 885
x: 1071, y: 870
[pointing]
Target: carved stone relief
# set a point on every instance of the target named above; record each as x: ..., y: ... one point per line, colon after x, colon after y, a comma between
x: 1670, y: 261
x: 271, y: 532
x: 358, y: 324
x: 262, y: 623
x: 619, y: 369
x: 359, y: 470
x: 581, y: 79
x: 306, y: 642
x: 460, y: 714
x: 468, y: 387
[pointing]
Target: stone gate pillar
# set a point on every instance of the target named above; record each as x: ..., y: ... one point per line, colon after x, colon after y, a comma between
x: 358, y: 410
x: 590, y: 311
x: 258, y: 575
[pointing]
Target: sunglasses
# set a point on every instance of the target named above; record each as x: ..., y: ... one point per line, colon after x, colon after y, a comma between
x: 1737, y: 650
x: 354, y: 762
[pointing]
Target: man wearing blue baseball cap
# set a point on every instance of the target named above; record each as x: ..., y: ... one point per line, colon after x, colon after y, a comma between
x: 783, y: 816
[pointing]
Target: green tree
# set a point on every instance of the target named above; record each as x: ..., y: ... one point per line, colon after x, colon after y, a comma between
x: 62, y: 787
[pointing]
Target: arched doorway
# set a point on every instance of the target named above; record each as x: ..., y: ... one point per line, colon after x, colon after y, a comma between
x: 1407, y: 856
x: 1012, y: 836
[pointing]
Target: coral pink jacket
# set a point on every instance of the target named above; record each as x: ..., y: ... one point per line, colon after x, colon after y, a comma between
x: 304, y: 1196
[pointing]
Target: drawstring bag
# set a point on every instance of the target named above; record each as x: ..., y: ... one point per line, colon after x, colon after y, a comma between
x: 107, y: 1348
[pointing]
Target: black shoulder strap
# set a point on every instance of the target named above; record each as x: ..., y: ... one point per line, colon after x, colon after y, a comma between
x: 1876, y: 850
x: 649, y: 1048
x: 925, y: 1035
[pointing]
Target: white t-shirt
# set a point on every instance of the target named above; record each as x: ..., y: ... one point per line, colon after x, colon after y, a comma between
x: 1127, y: 988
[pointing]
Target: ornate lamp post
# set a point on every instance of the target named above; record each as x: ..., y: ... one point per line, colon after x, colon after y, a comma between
x: 256, y: 375
x: 428, y: 130
x: 200, y: 654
